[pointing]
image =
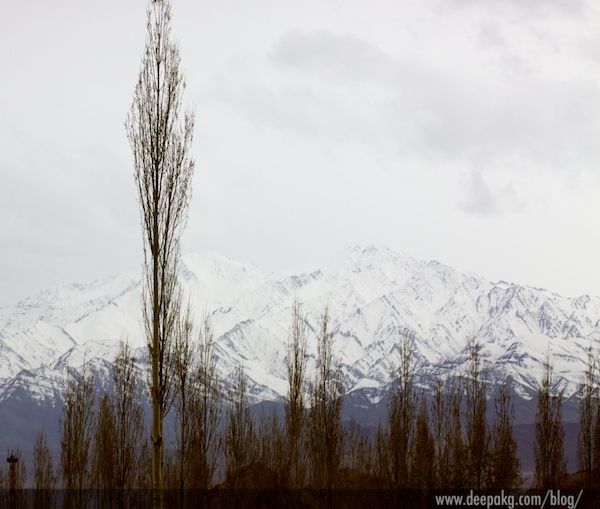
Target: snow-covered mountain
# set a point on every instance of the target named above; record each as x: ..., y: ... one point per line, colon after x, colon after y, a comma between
x: 375, y: 297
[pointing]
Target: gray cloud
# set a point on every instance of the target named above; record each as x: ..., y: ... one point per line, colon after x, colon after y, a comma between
x: 51, y: 216
x: 479, y: 199
x: 335, y: 56
x: 419, y: 107
x: 485, y: 200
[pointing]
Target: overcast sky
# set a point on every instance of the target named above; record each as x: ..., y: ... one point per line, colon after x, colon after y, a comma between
x: 461, y: 130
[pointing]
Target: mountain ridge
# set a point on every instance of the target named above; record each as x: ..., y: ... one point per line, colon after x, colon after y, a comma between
x: 375, y: 296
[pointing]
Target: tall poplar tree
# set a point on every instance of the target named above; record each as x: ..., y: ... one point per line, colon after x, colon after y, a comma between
x: 476, y: 427
x: 550, y: 463
x: 205, y: 408
x: 505, y: 465
x: 401, y: 418
x: 325, y: 425
x: 160, y: 137
x: 587, y: 416
x: 294, y: 405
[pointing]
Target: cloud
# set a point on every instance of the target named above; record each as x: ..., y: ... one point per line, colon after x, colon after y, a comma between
x: 59, y: 209
x: 329, y: 54
x: 492, y: 41
x: 485, y: 200
x: 480, y: 199
x: 344, y: 89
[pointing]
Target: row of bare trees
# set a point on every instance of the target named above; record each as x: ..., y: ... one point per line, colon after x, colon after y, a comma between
x: 304, y: 447
x: 197, y: 400
x: 445, y: 439
x: 440, y: 441
x: 104, y: 444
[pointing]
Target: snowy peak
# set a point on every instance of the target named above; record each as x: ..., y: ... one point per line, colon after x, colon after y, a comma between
x: 217, y: 280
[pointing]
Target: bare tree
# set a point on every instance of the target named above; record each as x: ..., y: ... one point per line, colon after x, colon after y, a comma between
x: 423, y: 453
x: 160, y: 140
x: 205, y: 410
x: 294, y: 406
x: 271, y: 444
x: 456, y: 444
x: 587, y: 416
x: 77, y: 429
x: 102, y: 459
x: 401, y: 421
x: 358, y: 450
x: 440, y: 427
x: 382, y: 454
x: 476, y: 427
x: 239, y: 437
x: 143, y: 477
x: 325, y: 427
x: 182, y: 365
x: 550, y: 464
x: 44, y: 477
x: 171, y: 470
x: 129, y: 439
x: 505, y: 465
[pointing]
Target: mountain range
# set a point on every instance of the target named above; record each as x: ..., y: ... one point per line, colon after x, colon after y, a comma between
x: 375, y: 296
